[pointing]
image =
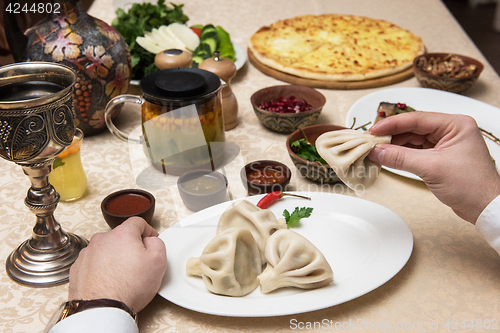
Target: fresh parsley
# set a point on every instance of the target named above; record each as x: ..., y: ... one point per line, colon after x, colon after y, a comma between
x: 142, y: 17
x: 296, y: 215
x: 307, y: 151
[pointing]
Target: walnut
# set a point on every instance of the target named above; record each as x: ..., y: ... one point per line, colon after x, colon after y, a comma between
x: 451, y: 66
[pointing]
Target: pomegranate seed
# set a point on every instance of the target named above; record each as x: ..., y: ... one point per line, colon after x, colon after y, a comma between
x: 381, y: 114
x: 286, y: 105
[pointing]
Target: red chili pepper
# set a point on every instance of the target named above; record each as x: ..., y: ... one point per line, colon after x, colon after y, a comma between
x: 269, y: 198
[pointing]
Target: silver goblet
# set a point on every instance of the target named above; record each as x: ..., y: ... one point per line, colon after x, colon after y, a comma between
x: 36, y: 124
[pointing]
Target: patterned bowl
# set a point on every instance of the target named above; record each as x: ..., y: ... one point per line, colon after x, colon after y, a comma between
x: 288, y: 122
x: 451, y: 84
x: 314, y: 171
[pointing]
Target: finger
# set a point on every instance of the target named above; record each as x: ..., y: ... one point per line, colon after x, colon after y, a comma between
x: 417, y: 122
x: 155, y: 244
x: 401, y: 158
x: 413, y: 140
x: 139, y: 227
x: 409, y: 139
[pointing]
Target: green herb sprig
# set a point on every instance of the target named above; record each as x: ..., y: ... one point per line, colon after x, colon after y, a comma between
x: 296, y: 215
x: 306, y: 151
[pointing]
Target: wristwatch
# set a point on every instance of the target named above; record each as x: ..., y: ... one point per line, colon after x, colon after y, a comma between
x: 67, y: 309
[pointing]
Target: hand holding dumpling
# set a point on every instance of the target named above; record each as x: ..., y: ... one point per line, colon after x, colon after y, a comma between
x: 448, y: 152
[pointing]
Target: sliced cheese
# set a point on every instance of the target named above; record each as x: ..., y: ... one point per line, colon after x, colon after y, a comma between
x: 187, y: 36
x: 174, y: 36
x: 149, y: 45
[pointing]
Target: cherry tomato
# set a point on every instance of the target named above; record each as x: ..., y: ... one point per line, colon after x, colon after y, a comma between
x: 197, y: 31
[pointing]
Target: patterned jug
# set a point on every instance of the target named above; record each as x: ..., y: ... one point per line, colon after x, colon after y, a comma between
x: 95, y: 50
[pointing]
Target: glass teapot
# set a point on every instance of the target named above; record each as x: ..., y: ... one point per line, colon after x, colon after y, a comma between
x: 181, y: 119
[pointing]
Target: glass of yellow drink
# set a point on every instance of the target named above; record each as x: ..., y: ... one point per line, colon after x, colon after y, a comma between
x: 68, y: 176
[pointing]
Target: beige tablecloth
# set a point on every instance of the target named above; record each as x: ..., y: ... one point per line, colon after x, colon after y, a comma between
x: 451, y: 277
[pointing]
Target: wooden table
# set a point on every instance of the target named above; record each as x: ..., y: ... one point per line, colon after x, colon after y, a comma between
x: 452, y: 276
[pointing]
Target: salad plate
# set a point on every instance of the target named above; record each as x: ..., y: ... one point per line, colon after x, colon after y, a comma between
x: 365, y: 244
x: 240, y: 55
x: 425, y: 99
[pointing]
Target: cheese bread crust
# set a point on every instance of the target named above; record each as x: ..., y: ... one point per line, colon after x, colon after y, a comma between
x: 336, y: 47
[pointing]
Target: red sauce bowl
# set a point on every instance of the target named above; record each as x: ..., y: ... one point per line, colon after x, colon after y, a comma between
x: 265, y: 176
x: 121, y: 205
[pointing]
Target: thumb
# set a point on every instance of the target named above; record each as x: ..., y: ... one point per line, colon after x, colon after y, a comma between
x: 398, y: 157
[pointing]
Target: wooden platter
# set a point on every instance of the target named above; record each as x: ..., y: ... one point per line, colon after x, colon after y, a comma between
x: 340, y: 85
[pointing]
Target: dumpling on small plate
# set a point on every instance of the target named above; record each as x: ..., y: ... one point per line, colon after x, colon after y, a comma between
x: 293, y: 261
x: 262, y: 223
x: 346, y: 152
x: 229, y: 264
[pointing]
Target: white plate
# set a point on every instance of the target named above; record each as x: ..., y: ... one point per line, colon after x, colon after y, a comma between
x: 425, y: 99
x: 366, y: 245
x: 239, y: 54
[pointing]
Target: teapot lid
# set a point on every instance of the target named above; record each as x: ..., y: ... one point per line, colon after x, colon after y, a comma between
x: 180, y: 83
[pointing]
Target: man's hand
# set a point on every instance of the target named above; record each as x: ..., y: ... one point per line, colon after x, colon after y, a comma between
x: 125, y: 264
x: 448, y: 152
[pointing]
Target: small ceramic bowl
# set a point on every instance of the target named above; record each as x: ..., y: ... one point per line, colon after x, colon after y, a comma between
x: 265, y: 176
x: 120, y: 205
x: 451, y: 84
x: 200, y: 189
x: 321, y: 173
x: 288, y: 122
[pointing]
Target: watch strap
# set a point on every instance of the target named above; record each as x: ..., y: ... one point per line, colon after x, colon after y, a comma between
x: 67, y: 309
x: 82, y: 305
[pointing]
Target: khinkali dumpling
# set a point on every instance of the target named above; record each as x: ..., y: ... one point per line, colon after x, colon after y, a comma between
x: 262, y: 223
x: 293, y: 261
x: 230, y: 263
x: 346, y: 151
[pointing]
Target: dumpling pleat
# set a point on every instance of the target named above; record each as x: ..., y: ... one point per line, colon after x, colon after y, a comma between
x: 347, y: 145
x: 229, y: 264
x: 260, y: 222
x: 346, y: 152
x: 293, y: 261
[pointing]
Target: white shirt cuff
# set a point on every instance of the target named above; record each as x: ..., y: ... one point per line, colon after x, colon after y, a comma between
x: 488, y: 224
x: 100, y: 320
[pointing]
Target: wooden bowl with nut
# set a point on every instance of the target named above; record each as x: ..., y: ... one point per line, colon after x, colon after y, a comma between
x: 447, y: 71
